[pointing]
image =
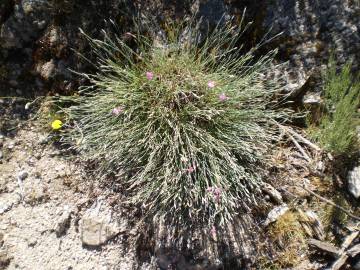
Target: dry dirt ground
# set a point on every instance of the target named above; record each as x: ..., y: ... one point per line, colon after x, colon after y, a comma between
x: 44, y: 199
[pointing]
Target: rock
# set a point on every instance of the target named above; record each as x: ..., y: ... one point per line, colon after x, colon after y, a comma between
x: 275, y: 213
x: 4, y: 259
x: 23, y: 175
x: 98, y: 225
x: 312, y: 99
x: 22, y: 26
x: 354, y: 251
x: 1, y: 239
x: 212, y: 11
x: 44, y: 140
x: 27, y: 105
x: 62, y: 222
x: 11, y: 145
x: 272, y: 192
x: 354, y: 182
x: 1, y: 154
x: 8, y: 201
x: 32, y: 241
x: 357, y: 265
x: 47, y: 70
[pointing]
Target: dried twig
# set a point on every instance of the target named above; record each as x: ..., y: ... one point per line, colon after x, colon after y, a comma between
x: 343, y: 255
x: 304, y: 140
x: 324, y: 246
x: 331, y: 203
x: 292, y: 135
x: 298, y: 146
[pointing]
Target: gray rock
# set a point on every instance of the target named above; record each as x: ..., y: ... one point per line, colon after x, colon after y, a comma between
x: 312, y: 99
x: 62, y: 221
x: 44, y: 140
x: 8, y: 201
x: 354, y: 182
x: 47, y: 70
x: 5, y: 258
x: 23, y: 175
x: 98, y: 225
x: 275, y: 213
x: 23, y: 27
x: 212, y: 11
x: 11, y: 145
x: 357, y: 265
x: 13, y: 83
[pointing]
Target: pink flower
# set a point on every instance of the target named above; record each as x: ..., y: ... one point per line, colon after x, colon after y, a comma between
x: 117, y: 111
x: 223, y: 97
x: 191, y: 169
x: 216, y: 192
x: 149, y: 75
x: 211, y: 84
x: 213, y: 231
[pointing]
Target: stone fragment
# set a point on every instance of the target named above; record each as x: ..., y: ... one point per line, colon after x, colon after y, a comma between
x: 62, y: 221
x: 23, y: 175
x: 98, y: 225
x: 47, y: 70
x: 313, y: 99
x: 354, y: 182
x: 275, y: 214
x: 4, y: 259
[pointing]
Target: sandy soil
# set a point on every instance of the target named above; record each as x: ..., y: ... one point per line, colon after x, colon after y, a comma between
x: 43, y: 197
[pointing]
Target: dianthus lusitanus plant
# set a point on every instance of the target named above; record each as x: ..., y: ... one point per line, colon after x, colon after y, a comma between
x: 186, y: 126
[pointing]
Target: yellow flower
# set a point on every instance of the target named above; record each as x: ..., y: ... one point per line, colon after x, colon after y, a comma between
x: 56, y: 124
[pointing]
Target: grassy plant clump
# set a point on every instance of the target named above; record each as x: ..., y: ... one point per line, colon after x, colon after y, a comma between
x: 290, y: 239
x: 186, y: 126
x: 337, y: 129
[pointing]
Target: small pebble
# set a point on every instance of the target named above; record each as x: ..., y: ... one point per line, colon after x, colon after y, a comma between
x: 11, y: 145
x: 22, y: 175
x: 31, y: 161
x: 44, y: 140
x: 13, y: 83
x: 54, y: 154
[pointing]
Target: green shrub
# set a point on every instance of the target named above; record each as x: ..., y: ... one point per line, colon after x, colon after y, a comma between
x: 337, y: 129
x: 186, y: 127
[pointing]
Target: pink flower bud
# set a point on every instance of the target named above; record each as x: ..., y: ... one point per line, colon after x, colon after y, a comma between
x: 211, y: 84
x: 117, y: 111
x: 191, y: 169
x: 213, y: 231
x: 223, y: 97
x: 149, y: 75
